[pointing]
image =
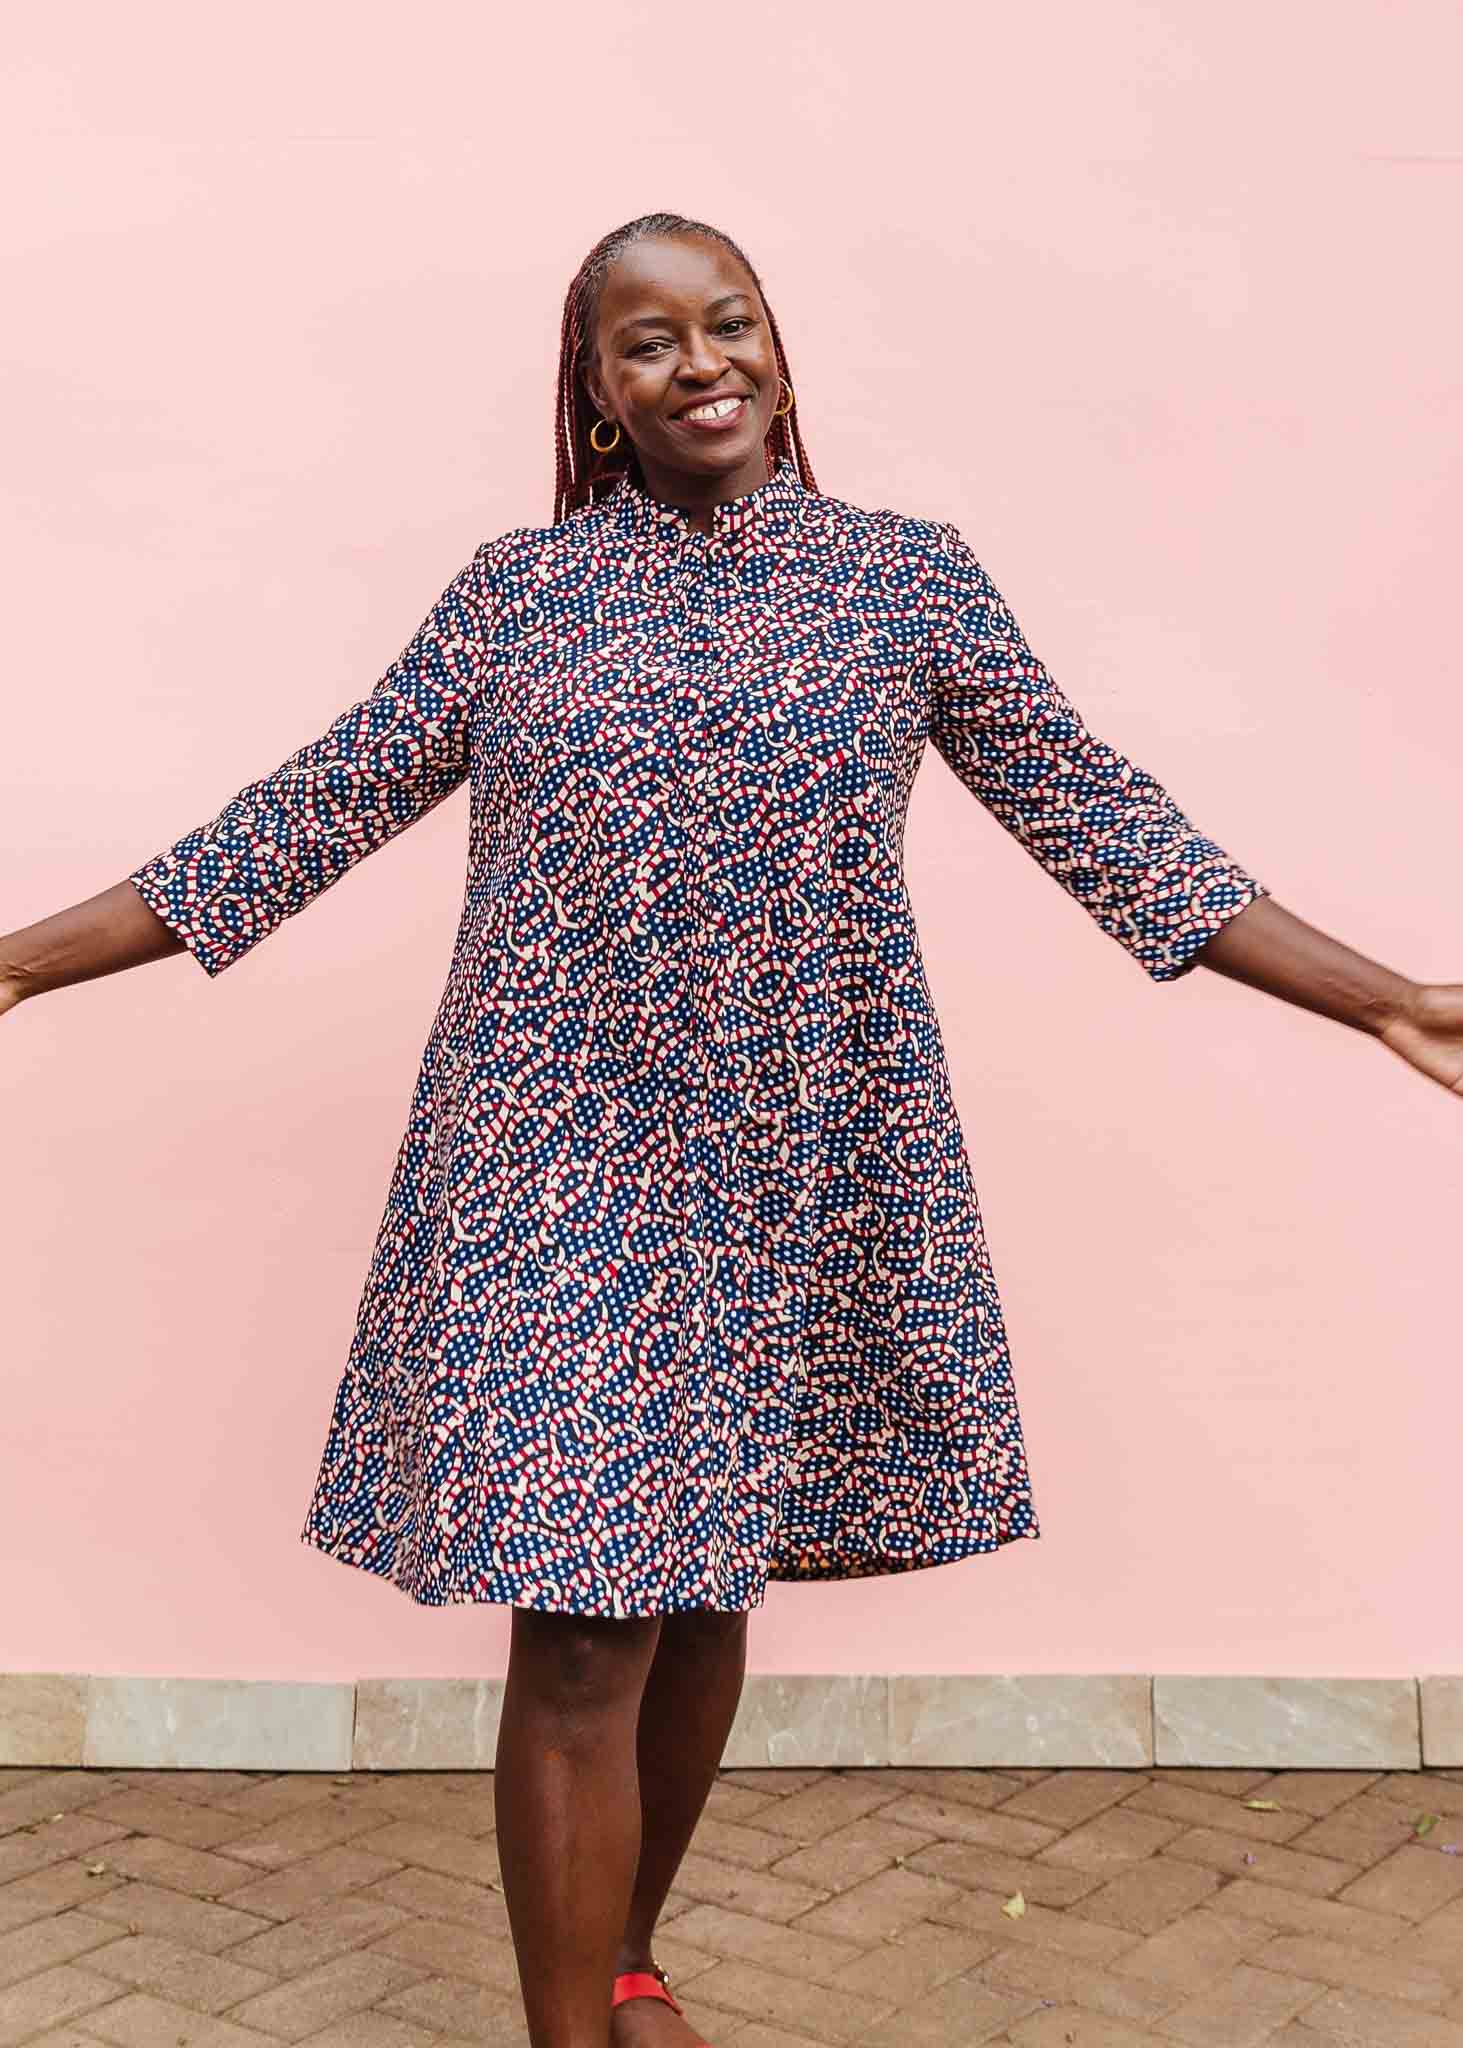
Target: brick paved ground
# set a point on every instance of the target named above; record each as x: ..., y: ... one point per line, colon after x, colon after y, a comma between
x: 193, y: 1909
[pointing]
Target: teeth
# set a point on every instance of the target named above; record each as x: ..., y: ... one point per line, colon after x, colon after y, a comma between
x: 718, y: 411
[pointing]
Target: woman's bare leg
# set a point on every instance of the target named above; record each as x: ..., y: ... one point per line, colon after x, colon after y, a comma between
x: 568, y: 1812
x: 686, y: 1713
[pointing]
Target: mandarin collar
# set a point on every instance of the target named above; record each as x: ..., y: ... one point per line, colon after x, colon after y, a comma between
x: 760, y: 520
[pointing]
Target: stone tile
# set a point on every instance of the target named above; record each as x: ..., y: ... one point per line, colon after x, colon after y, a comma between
x: 1336, y: 1723
x: 426, y: 1723
x: 42, y: 1717
x: 1441, y: 1701
x: 325, y: 1995
x: 232, y: 1723
x: 833, y: 1720
x: 1055, y: 1719
x: 48, y: 1999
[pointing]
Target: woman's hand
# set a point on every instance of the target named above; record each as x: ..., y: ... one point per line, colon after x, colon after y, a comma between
x: 1428, y: 1032
x: 10, y: 993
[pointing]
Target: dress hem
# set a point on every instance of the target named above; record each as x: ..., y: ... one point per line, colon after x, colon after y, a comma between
x: 817, y: 1570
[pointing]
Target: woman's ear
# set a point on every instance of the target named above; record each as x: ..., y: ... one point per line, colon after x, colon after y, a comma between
x: 589, y: 378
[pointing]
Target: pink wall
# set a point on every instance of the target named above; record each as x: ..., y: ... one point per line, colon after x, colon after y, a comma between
x: 1155, y: 301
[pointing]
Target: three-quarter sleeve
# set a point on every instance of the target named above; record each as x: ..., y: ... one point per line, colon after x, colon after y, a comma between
x: 1099, y: 824
x: 382, y: 764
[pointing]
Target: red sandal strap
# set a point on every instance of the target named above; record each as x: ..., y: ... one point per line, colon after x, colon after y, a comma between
x: 640, y: 1984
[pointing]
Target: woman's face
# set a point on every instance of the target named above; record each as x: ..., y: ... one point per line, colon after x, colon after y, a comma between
x: 681, y: 325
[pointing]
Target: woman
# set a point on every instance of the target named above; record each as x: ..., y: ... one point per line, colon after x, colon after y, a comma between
x: 681, y: 1284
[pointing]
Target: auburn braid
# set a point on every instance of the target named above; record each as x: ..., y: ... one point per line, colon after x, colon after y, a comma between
x: 580, y: 470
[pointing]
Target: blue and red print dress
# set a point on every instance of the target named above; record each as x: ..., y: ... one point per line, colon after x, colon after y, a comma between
x: 682, y: 1283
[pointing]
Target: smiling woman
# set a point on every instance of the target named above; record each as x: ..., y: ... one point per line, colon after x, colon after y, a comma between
x: 682, y: 1284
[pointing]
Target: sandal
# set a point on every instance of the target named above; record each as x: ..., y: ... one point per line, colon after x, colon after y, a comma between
x: 651, y: 1983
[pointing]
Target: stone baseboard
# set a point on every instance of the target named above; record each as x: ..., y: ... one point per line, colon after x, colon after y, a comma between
x: 1118, y: 1721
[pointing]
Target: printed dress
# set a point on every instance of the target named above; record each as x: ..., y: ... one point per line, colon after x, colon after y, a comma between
x: 682, y: 1284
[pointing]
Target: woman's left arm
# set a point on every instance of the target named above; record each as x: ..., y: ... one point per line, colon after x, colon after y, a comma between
x: 1270, y: 948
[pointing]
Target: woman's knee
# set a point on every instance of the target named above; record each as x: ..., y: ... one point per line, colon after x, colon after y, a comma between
x: 581, y: 1663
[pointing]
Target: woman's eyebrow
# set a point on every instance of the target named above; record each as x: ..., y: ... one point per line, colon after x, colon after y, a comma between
x: 665, y: 319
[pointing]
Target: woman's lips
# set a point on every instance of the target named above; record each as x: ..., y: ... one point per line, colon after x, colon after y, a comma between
x: 712, y: 426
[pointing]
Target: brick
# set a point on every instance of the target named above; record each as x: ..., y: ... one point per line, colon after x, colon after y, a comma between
x: 819, y: 1808
x: 961, y: 1863
x: 1068, y: 1798
x: 187, y: 1976
x: 818, y: 2009
x: 374, y: 2030
x: 173, y: 1820
x: 726, y: 1801
x: 1353, y: 2017
x: 1209, y: 1810
x: 1111, y: 1841
x: 448, y: 2006
x: 199, y: 1872
x: 983, y: 1913
x: 48, y: 1792
x: 1149, y: 1895
x: 1068, y: 1980
x: 734, y: 1842
x: 150, y: 1909
x: 794, y: 1951
x: 438, y: 1949
x: 1194, y: 1951
x: 305, y: 1832
x: 963, y: 2011
x: 1297, y: 1870
x: 48, y: 1999
x: 200, y: 1788
x: 51, y: 1890
x: 309, y: 1882
x: 38, y: 1843
x: 26, y: 1951
x: 325, y: 1995
x: 1384, y: 1973
x: 434, y: 1803
x: 431, y: 1848
x: 916, y: 1961
x: 268, y: 1799
x: 1412, y: 1882
x: 1068, y: 2026
x: 879, y: 1906
x: 1295, y: 1913
x: 1319, y: 1792
x: 431, y: 1896
x: 708, y: 1882
x: 289, y: 1949
x: 1241, y: 2009
x: 849, y: 1854
x: 945, y: 1782
x: 952, y: 1821
x: 141, y: 2021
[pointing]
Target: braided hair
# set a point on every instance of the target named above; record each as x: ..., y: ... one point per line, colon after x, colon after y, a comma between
x: 580, y: 469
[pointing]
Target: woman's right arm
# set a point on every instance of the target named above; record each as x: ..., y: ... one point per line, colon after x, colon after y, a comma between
x: 287, y: 837
x: 109, y: 931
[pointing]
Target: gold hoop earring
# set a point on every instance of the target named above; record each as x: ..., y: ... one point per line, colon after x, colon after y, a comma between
x: 781, y: 411
x: 605, y: 447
